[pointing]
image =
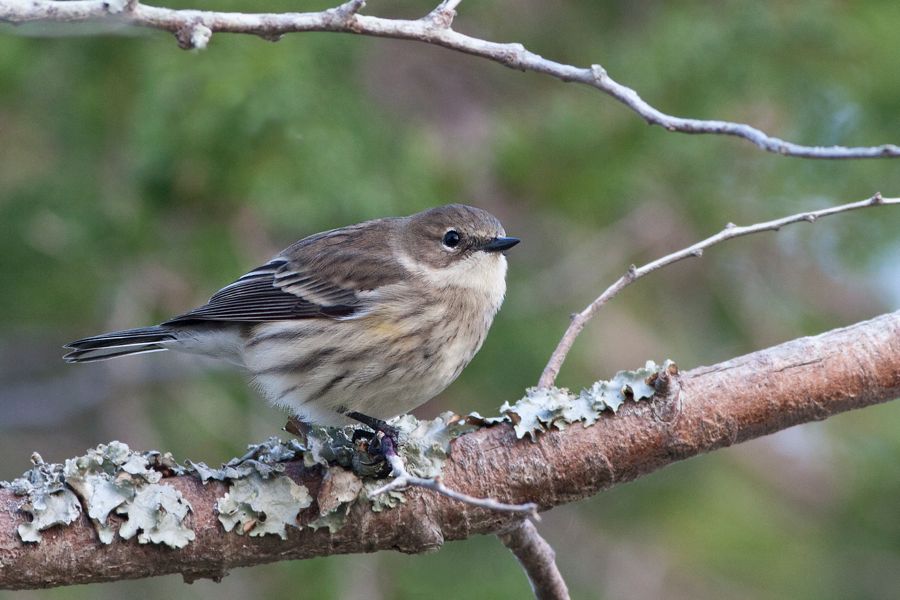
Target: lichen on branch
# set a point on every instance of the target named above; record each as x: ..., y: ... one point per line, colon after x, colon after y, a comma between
x: 112, y: 480
x: 695, y: 411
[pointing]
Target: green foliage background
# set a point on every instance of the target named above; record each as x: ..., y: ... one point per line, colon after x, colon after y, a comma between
x: 136, y: 179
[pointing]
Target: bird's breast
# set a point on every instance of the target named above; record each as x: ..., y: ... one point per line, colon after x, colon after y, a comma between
x: 400, y: 353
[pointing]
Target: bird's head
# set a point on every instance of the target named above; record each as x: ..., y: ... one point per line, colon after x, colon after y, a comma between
x: 456, y: 245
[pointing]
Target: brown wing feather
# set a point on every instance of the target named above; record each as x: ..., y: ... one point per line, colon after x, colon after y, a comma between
x: 318, y: 277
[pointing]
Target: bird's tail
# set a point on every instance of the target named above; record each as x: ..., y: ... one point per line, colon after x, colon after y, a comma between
x: 119, y: 343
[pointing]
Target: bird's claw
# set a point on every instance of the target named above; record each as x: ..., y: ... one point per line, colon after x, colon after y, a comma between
x: 373, y: 452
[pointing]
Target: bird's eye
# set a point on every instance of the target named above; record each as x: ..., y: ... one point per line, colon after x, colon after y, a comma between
x: 451, y: 238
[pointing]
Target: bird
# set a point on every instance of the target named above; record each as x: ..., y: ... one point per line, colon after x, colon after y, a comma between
x: 353, y: 325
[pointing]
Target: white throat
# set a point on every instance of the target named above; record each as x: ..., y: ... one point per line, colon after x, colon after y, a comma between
x: 482, y: 272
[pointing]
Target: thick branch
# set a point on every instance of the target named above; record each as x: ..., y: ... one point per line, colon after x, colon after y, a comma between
x: 731, y: 231
x: 704, y: 409
x: 193, y: 29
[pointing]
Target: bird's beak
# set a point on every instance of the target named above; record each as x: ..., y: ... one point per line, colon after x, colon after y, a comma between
x: 499, y: 244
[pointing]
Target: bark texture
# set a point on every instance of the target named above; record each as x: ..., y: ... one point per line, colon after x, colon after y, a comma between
x: 703, y: 409
x: 538, y: 559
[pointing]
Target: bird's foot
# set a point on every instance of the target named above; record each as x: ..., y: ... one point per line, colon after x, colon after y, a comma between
x: 378, y: 446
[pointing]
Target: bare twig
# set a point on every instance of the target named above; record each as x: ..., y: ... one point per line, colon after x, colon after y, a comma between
x: 193, y: 29
x: 403, y: 479
x: 579, y: 320
x: 538, y: 559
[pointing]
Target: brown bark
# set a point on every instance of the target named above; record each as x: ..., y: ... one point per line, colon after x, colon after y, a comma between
x: 538, y: 559
x: 705, y: 408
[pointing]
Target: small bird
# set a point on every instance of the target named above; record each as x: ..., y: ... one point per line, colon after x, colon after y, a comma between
x: 361, y: 323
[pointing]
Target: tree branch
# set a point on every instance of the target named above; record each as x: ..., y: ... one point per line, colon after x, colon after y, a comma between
x: 703, y: 409
x: 579, y: 320
x: 538, y: 559
x: 194, y: 28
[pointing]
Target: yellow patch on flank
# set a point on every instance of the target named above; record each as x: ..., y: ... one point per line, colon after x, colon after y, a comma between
x: 385, y: 327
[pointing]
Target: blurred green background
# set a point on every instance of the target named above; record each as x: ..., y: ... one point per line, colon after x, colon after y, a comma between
x: 136, y: 179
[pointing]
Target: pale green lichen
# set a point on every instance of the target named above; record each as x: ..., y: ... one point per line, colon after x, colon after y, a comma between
x: 260, y: 498
x: 49, y: 502
x: 544, y: 408
x: 329, y: 445
x: 383, y: 501
x: 108, y: 478
x: 425, y: 445
x: 59, y: 508
x: 156, y: 514
x: 339, y: 490
x: 255, y: 505
x: 111, y: 479
x: 264, y: 459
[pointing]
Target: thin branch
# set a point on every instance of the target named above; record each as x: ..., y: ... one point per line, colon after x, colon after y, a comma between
x: 403, y: 479
x: 193, y: 29
x: 579, y: 320
x: 538, y: 559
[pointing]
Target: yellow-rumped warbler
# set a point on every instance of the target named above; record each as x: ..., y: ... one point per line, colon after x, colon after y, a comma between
x: 367, y: 321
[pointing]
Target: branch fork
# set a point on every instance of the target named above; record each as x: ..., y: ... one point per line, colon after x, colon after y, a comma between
x: 580, y: 319
x: 404, y: 479
x: 442, y: 16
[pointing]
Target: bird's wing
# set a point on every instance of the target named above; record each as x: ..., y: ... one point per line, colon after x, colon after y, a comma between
x: 323, y: 276
x: 260, y: 296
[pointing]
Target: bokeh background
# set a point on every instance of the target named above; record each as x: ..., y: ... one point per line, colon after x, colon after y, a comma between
x: 136, y: 179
